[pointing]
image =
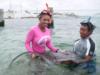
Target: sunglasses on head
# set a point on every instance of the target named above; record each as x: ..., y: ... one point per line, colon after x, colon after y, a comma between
x: 45, y: 12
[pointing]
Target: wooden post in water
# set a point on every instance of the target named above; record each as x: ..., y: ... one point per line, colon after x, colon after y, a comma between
x: 1, y: 18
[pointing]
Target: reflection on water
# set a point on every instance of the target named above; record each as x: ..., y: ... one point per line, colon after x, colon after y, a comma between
x: 1, y: 29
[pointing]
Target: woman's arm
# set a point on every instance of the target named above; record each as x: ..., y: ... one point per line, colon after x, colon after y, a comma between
x: 50, y: 46
x: 29, y: 41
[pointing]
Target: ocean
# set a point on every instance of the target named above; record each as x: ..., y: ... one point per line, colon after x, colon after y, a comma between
x: 66, y: 31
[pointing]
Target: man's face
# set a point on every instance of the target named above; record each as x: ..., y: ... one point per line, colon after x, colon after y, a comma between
x: 84, y: 32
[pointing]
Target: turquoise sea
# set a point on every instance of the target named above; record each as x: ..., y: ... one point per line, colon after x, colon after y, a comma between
x: 66, y: 31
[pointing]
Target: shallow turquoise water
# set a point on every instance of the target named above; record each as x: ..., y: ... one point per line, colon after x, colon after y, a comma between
x: 12, y: 38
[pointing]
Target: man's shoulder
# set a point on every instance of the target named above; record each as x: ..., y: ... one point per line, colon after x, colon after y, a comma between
x: 92, y: 47
x: 91, y: 40
x: 76, y: 41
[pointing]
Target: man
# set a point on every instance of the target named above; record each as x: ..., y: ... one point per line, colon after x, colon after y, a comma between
x: 84, y: 48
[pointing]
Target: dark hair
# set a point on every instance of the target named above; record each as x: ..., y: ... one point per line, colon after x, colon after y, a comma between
x: 90, y: 26
x: 44, y: 12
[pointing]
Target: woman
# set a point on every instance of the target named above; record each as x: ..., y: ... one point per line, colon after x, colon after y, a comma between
x: 39, y: 37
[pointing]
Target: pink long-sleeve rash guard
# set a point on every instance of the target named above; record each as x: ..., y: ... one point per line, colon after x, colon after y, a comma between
x: 36, y: 40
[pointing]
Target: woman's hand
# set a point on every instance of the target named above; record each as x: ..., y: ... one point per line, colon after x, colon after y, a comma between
x: 33, y: 56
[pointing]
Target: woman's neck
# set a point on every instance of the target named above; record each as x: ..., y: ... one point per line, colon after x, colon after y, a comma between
x: 42, y: 28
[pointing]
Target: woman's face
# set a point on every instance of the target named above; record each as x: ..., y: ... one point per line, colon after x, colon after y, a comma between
x: 45, y: 20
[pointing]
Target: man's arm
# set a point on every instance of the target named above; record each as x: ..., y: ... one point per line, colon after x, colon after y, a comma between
x: 86, y: 59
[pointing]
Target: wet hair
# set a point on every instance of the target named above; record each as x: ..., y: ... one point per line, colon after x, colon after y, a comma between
x: 89, y: 25
x: 44, y: 12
